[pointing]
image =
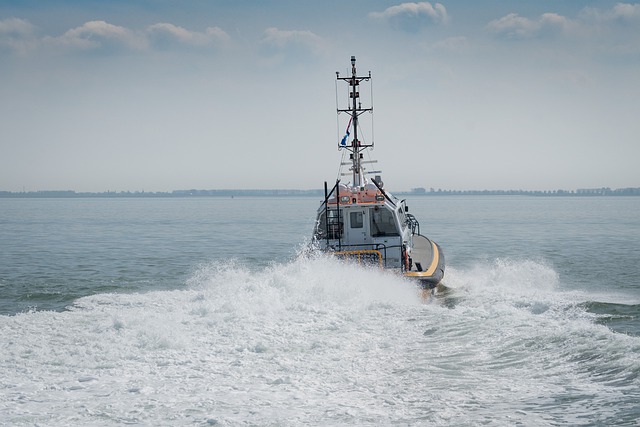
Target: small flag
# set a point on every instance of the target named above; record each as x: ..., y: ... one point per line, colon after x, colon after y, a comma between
x: 344, y: 139
x: 343, y: 143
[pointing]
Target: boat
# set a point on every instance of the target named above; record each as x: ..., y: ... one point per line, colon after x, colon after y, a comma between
x: 360, y: 220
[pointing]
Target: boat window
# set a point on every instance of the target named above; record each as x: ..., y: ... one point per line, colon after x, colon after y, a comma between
x: 356, y: 219
x: 383, y: 223
x: 402, y: 217
x: 335, y: 225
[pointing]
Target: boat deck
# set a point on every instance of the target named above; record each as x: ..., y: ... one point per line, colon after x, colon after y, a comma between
x: 428, y: 262
x: 422, y: 253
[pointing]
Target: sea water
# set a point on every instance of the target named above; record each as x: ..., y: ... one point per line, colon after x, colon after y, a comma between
x: 208, y: 311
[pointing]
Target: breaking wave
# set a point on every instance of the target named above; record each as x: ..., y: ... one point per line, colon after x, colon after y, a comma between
x: 316, y: 341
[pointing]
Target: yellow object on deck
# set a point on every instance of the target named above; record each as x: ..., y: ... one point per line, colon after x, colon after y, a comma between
x: 362, y: 256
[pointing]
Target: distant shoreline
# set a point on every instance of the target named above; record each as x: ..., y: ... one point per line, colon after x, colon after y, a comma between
x: 590, y: 192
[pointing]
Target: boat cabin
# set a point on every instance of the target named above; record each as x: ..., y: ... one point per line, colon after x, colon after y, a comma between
x: 364, y: 224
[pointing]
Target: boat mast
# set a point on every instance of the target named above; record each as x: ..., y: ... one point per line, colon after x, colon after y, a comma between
x: 355, y: 110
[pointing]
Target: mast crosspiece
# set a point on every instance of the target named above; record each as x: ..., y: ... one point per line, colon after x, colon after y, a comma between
x: 354, y: 111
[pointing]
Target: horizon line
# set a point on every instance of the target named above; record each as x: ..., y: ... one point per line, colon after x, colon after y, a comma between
x: 419, y: 191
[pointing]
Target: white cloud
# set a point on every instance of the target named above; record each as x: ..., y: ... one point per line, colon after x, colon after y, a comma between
x: 620, y: 13
x: 607, y: 33
x: 514, y: 26
x: 21, y: 36
x: 591, y: 22
x: 614, y: 31
x: 166, y: 35
x: 98, y: 35
x: 17, y: 35
x: 16, y: 26
x: 412, y: 16
x: 625, y: 11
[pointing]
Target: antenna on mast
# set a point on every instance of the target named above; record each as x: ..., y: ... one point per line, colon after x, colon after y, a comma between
x: 354, y: 110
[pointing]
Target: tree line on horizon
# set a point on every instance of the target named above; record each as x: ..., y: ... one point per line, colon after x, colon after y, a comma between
x: 420, y: 191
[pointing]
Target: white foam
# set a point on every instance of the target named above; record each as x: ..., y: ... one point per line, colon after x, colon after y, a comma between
x: 315, y: 341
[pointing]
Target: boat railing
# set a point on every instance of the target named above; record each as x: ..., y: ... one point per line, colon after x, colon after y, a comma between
x: 365, y: 253
x: 413, y: 223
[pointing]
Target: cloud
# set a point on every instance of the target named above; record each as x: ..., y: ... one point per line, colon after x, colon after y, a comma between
x: 16, y: 27
x: 608, y: 33
x: 95, y: 35
x: 165, y: 35
x: 514, y: 26
x: 627, y: 12
x: 277, y: 41
x: 614, y: 31
x: 411, y: 17
x: 21, y: 36
x: 590, y: 22
x: 17, y: 35
x: 620, y: 13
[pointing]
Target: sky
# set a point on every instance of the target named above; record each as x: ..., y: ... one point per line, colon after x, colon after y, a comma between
x: 142, y: 95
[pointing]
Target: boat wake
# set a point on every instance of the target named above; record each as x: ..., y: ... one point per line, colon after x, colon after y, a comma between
x: 313, y: 278
x: 503, y: 280
x: 319, y: 341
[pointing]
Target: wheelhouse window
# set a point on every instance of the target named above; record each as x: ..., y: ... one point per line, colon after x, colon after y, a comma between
x: 356, y: 219
x: 383, y: 223
x: 402, y: 217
